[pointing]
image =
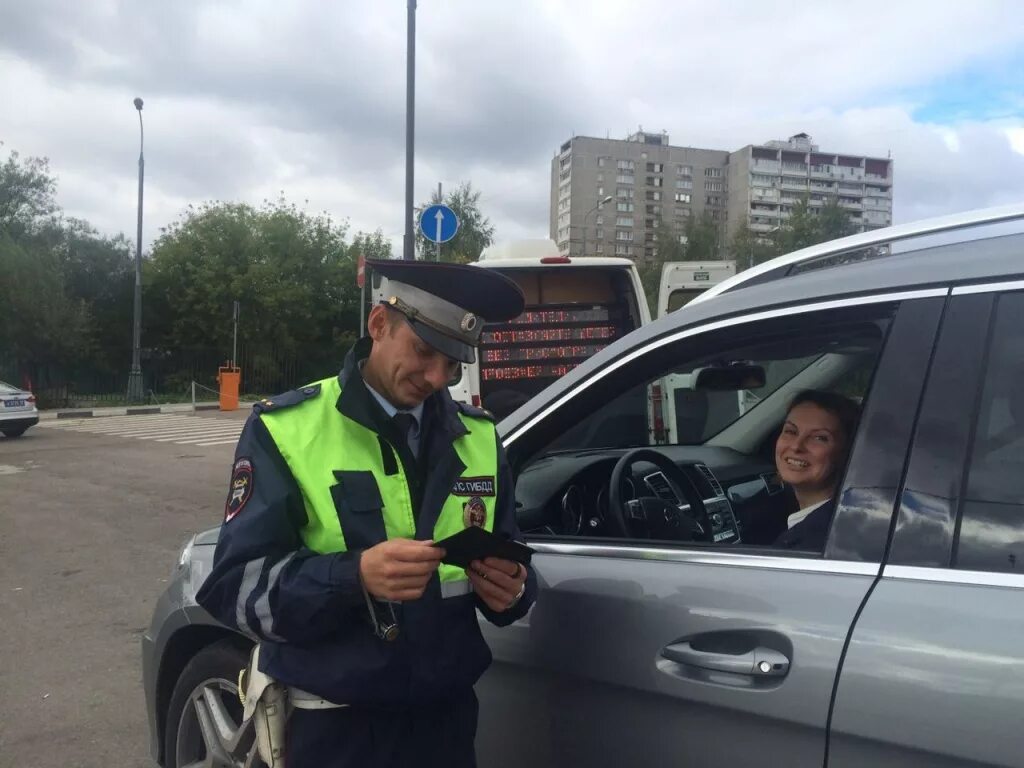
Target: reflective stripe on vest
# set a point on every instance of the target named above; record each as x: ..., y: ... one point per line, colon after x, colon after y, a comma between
x: 317, y: 441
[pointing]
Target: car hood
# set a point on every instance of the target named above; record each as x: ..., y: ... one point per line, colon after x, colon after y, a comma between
x: 208, y: 538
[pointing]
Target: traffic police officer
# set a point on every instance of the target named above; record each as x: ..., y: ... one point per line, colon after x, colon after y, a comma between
x: 325, y: 557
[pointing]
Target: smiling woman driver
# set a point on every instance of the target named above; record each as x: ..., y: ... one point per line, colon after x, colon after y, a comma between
x: 809, y: 456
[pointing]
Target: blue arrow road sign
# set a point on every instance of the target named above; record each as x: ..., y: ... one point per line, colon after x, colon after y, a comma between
x: 438, y: 223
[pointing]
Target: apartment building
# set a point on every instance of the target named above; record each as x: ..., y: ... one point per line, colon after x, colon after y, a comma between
x: 766, y: 181
x: 607, y: 195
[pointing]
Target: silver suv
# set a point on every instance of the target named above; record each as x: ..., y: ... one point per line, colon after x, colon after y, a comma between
x: 677, y: 623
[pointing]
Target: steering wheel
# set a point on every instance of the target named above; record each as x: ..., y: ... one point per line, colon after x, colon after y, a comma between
x: 652, y: 516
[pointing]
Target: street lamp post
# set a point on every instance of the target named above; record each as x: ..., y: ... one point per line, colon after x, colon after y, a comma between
x: 135, y: 387
x: 600, y: 202
x: 409, y: 239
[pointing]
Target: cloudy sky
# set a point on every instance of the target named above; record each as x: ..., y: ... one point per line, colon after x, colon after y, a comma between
x: 245, y: 99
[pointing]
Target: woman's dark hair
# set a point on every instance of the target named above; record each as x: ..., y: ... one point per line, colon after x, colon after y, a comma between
x: 840, y: 406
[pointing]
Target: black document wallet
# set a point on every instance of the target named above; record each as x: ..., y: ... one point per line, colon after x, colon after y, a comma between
x: 475, y: 543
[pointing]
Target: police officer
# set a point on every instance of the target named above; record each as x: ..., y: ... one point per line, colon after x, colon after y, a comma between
x: 326, y: 559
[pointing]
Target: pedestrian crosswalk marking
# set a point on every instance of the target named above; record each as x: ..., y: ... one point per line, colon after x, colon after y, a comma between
x: 162, y: 428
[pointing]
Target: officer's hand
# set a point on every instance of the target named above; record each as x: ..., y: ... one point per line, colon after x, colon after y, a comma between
x: 399, y: 569
x: 499, y: 583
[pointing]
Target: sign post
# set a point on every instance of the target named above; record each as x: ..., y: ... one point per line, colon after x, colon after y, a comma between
x: 234, y: 343
x: 361, y: 282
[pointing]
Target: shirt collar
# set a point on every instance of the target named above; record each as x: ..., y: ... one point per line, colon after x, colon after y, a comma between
x: 391, y: 410
x: 801, y: 514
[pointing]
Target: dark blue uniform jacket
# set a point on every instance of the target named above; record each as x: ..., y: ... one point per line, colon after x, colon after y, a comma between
x: 309, y: 610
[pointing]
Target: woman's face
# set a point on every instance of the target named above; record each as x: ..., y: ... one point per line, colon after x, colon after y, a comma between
x: 810, y: 449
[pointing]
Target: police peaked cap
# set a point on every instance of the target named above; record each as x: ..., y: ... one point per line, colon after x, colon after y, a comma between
x: 448, y: 304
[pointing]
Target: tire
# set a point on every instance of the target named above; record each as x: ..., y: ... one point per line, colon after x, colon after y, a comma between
x: 16, y: 432
x: 209, y: 684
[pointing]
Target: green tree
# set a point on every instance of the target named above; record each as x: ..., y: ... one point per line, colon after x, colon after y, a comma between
x: 65, y: 296
x: 702, y: 239
x: 697, y: 240
x: 292, y: 272
x: 833, y: 220
x: 475, y: 230
x: 748, y: 248
x: 27, y: 194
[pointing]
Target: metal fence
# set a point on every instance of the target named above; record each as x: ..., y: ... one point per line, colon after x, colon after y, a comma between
x: 168, y: 374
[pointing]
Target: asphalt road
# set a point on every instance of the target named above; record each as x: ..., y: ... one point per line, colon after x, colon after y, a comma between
x: 90, y: 525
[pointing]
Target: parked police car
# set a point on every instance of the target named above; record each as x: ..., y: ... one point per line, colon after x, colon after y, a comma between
x: 656, y: 639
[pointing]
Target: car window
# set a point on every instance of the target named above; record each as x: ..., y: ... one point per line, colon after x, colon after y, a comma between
x: 678, y: 396
x: 991, y: 535
x: 7, y: 389
x: 675, y: 407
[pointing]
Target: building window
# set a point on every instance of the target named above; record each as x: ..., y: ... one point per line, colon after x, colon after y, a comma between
x: 655, y: 167
x: 600, y: 191
x: 624, y: 207
x: 623, y: 250
x: 624, y: 194
x: 624, y: 179
x: 600, y: 177
x: 683, y: 213
x: 624, y: 235
x: 654, y: 210
x: 714, y: 200
x: 684, y: 170
x: 625, y: 165
x: 714, y: 186
x: 682, y: 197
x: 600, y: 220
x: 654, y: 195
x: 599, y: 234
x: 655, y: 181
x: 624, y: 221
x: 713, y: 173
x: 684, y: 184
x: 599, y: 248
x: 600, y: 162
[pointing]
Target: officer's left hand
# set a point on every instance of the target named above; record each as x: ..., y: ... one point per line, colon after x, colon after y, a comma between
x: 499, y: 583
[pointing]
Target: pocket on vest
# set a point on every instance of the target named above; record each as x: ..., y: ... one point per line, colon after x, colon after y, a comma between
x: 359, y: 506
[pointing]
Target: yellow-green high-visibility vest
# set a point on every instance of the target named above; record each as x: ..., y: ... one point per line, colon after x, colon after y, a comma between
x: 317, y: 441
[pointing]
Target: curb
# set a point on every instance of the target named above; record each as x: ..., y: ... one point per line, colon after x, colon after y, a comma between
x: 144, y: 410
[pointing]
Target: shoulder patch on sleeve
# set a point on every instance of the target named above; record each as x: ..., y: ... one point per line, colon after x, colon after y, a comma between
x: 294, y: 397
x: 472, y: 410
x: 240, y: 489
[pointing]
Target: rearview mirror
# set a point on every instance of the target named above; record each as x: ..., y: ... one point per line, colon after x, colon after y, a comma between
x: 729, y: 378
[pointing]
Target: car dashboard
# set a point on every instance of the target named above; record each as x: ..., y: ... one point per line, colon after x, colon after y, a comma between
x: 566, y: 494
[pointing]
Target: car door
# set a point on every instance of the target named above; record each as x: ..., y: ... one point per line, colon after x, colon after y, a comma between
x: 629, y: 656
x: 934, y: 675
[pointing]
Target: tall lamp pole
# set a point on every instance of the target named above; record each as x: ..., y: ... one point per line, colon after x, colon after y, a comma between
x: 409, y: 241
x: 586, y: 216
x: 135, y: 387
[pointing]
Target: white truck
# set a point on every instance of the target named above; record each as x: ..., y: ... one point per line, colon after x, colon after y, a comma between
x: 574, y: 308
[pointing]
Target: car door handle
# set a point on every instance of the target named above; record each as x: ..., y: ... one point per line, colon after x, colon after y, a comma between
x: 758, y: 662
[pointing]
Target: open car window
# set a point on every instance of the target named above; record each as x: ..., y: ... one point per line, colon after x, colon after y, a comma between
x: 712, y: 405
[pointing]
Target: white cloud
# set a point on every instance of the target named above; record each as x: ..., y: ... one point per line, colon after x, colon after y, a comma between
x: 248, y: 99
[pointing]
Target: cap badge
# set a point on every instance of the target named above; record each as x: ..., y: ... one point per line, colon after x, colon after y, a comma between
x: 469, y: 322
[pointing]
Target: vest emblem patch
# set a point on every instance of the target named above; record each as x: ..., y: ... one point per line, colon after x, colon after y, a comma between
x: 474, y: 513
x: 240, y: 490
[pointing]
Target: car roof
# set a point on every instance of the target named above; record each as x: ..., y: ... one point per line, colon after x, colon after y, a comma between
x: 978, y: 261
